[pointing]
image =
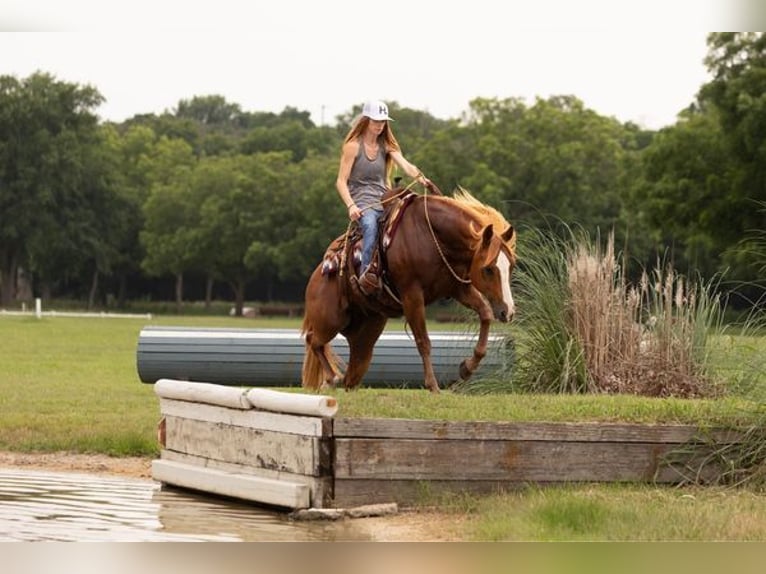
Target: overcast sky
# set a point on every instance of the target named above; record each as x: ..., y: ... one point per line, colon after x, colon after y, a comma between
x: 636, y: 61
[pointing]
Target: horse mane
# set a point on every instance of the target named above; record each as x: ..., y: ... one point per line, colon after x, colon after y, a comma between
x: 484, y: 213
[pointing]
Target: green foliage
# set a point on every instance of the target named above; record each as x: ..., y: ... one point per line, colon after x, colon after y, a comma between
x: 555, y: 361
x: 737, y: 61
x: 585, y: 329
x: 76, y: 196
x: 555, y: 158
x: 685, y: 194
x: 51, y: 169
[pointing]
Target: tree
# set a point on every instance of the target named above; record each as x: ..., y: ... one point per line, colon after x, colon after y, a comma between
x: 243, y: 210
x: 170, y: 213
x: 133, y: 152
x: 702, y: 178
x: 313, y: 218
x: 47, y: 136
x: 209, y: 111
x: 554, y: 159
x: 737, y: 61
x: 684, y: 192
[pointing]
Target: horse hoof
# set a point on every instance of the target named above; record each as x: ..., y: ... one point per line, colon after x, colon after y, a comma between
x: 465, y: 373
x: 432, y: 386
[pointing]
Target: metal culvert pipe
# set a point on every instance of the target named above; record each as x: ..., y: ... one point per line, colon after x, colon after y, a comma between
x: 274, y: 357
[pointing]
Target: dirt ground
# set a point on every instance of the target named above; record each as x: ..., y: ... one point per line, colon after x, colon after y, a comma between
x: 406, y: 526
x: 132, y: 467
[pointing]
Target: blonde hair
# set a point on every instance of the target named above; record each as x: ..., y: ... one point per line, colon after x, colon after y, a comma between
x: 388, y: 137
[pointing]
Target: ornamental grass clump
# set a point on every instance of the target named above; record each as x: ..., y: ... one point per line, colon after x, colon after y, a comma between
x: 585, y: 329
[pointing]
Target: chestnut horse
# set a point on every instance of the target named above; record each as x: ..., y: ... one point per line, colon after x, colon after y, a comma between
x: 441, y: 247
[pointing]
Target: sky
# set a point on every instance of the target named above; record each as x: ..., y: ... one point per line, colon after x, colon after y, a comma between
x: 635, y: 61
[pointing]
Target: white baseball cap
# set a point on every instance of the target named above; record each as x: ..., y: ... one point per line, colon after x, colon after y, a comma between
x: 376, y: 110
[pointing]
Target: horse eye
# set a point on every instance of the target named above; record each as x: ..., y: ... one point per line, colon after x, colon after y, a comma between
x: 488, y: 271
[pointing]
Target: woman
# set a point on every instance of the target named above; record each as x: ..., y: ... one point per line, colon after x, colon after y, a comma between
x: 367, y: 159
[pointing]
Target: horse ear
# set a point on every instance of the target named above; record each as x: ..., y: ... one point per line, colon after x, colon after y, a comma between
x: 486, y: 238
x: 507, y: 234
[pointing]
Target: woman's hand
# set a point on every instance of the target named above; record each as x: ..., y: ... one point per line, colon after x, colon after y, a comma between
x: 354, y: 212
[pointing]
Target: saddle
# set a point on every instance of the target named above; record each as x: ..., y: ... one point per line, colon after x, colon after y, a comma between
x: 344, y: 254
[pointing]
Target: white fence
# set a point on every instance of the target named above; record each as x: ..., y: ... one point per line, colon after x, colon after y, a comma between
x: 39, y: 313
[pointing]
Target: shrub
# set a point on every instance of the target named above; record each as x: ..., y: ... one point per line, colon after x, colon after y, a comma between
x: 584, y: 328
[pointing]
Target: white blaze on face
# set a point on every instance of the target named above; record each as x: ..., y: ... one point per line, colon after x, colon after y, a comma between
x: 504, y: 265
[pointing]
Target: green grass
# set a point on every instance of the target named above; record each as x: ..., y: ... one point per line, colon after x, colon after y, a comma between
x: 71, y: 384
x: 551, y: 408
x: 613, y: 512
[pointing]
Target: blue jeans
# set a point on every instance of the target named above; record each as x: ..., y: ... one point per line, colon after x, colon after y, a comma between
x: 369, y: 224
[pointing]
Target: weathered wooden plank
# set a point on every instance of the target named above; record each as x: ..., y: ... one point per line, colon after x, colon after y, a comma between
x: 481, y: 430
x: 246, y: 487
x: 320, y: 487
x: 447, y: 459
x: 287, y: 452
x: 254, y: 419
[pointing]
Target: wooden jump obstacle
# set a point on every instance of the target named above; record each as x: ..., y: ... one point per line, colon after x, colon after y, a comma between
x: 291, y: 450
x: 274, y: 357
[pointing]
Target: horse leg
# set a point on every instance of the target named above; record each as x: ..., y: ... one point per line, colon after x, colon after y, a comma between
x: 320, y: 349
x: 361, y: 341
x: 474, y: 300
x: 326, y: 313
x: 415, y: 313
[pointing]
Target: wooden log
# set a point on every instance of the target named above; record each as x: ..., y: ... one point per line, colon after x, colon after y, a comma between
x: 246, y: 398
x: 320, y: 487
x: 263, y: 490
x: 200, y: 392
x: 293, y: 403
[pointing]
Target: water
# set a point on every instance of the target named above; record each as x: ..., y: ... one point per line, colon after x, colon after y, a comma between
x: 51, y: 506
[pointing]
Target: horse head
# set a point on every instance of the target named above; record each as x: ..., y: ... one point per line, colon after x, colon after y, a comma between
x: 491, y: 270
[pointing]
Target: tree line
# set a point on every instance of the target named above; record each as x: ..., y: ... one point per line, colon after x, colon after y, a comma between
x: 213, y: 199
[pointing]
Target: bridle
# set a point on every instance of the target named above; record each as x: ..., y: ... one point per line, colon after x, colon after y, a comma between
x: 466, y: 281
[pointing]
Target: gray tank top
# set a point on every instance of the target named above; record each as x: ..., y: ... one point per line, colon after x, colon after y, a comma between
x: 367, y: 180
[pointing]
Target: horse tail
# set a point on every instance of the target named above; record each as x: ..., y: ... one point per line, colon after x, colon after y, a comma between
x: 311, y: 373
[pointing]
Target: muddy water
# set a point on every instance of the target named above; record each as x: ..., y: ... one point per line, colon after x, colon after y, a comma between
x: 49, y: 506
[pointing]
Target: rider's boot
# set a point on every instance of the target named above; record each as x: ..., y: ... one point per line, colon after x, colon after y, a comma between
x: 369, y: 282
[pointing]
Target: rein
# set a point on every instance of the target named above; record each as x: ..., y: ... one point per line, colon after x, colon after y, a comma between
x: 439, y: 248
x: 430, y: 228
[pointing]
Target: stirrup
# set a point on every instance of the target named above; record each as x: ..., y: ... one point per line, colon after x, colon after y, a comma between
x: 369, y: 283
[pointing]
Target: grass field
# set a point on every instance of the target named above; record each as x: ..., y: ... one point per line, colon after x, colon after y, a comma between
x: 70, y: 384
